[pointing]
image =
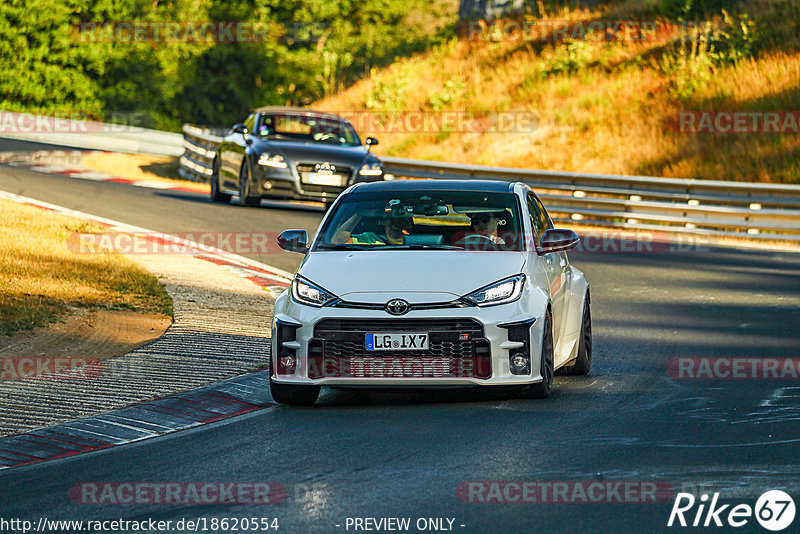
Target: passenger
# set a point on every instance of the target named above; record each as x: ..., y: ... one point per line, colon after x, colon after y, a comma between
x: 396, y: 228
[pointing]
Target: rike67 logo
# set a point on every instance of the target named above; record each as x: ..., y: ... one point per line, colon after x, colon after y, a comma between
x: 774, y: 510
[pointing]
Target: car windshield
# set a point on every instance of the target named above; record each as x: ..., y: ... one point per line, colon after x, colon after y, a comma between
x: 307, y: 128
x: 428, y: 220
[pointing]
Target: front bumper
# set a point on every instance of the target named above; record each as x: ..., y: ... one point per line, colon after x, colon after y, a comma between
x: 286, y: 184
x: 327, y: 346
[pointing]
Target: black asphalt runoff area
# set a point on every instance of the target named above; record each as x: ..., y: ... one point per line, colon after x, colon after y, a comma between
x: 588, y: 456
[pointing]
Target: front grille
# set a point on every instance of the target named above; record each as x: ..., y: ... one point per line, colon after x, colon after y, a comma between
x: 456, y: 348
x: 304, y: 169
x: 439, y: 346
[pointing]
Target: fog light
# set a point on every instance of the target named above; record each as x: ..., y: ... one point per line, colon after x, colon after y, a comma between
x: 519, y: 362
x: 286, y: 364
x: 267, y: 184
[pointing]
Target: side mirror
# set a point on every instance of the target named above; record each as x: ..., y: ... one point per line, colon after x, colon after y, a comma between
x: 370, y: 142
x: 293, y: 241
x: 240, y: 129
x: 557, y: 240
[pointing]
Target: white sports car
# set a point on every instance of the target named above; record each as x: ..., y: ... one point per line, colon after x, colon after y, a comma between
x: 431, y: 283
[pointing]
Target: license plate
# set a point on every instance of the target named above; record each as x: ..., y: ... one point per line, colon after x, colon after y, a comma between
x: 396, y: 341
x: 335, y: 180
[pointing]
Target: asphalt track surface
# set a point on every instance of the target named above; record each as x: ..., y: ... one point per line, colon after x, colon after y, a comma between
x: 405, y: 454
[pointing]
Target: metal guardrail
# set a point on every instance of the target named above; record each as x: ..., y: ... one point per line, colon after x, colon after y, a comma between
x: 686, y: 206
x: 90, y: 134
x: 200, y: 147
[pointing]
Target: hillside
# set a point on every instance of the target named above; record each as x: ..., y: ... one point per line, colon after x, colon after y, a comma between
x: 618, y: 103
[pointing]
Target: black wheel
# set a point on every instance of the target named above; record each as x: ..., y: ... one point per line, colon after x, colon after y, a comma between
x: 244, y: 188
x: 293, y: 395
x: 543, y: 389
x: 216, y: 194
x: 583, y: 363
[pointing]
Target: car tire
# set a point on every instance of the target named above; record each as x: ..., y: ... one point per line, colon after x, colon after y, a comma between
x: 244, y: 188
x: 583, y: 363
x: 216, y: 194
x: 542, y: 390
x: 293, y: 395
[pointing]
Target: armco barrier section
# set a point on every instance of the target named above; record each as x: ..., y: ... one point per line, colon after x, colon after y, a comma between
x: 90, y: 134
x: 687, y: 206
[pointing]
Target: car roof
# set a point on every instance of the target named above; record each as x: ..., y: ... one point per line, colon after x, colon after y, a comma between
x: 499, y: 186
x: 296, y: 111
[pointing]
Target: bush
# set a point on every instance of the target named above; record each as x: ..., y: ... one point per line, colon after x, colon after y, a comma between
x: 738, y: 39
x: 691, y: 9
x: 689, y: 63
x: 387, y: 95
x: 692, y: 60
x: 570, y: 57
x: 453, y: 90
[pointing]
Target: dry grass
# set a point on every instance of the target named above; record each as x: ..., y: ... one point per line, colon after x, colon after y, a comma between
x: 41, y: 276
x: 615, y: 112
x: 159, y: 169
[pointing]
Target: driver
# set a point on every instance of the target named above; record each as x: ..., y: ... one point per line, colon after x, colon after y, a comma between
x: 485, y: 224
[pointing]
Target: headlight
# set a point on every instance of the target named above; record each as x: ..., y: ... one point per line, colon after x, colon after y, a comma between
x: 371, y: 169
x: 309, y: 293
x: 501, y: 292
x: 272, y: 160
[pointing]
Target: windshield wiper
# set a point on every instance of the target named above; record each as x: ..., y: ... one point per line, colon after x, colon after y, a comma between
x: 342, y: 246
x: 423, y: 247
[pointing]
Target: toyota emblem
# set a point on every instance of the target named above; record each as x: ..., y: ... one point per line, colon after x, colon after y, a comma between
x: 397, y: 306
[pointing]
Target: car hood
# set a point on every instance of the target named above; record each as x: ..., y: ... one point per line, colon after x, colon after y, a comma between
x: 350, y: 156
x: 417, y: 276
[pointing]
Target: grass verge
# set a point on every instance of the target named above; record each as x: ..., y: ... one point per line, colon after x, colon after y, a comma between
x: 42, y: 277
